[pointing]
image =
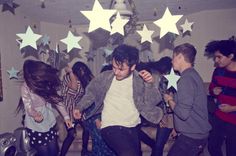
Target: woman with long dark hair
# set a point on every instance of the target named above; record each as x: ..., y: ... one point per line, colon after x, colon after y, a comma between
x: 39, y: 95
x: 74, y: 85
x: 73, y: 88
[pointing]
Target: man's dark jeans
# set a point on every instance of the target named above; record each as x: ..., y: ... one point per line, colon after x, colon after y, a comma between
x: 123, y: 140
x: 186, y: 146
x: 222, y: 131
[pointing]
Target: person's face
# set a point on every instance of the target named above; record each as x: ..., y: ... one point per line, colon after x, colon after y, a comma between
x: 176, y: 61
x: 122, y: 71
x: 221, y: 60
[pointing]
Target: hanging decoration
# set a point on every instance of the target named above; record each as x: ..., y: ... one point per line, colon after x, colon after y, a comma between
x: 90, y: 55
x: 43, y: 4
x: 187, y: 26
x: 146, y: 35
x: 13, y: 73
x: 168, y: 23
x: 29, y: 38
x: 9, y: 5
x: 45, y: 40
x: 117, y: 26
x: 71, y: 41
x: 99, y: 17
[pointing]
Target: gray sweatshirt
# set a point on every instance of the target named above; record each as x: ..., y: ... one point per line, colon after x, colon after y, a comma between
x: 190, y: 112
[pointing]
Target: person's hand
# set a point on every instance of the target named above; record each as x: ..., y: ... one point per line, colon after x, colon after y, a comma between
x: 77, y: 114
x: 226, y: 108
x: 68, y: 123
x: 68, y: 69
x: 168, y: 97
x: 147, y: 77
x: 173, y: 134
x: 98, y: 123
x: 217, y: 90
x: 39, y: 117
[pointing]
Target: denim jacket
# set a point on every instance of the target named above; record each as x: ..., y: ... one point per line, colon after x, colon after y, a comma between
x: 146, y: 96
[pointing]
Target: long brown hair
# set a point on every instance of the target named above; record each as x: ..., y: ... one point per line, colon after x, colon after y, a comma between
x: 43, y: 80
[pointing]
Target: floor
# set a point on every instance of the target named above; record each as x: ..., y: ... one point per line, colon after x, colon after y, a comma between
x: 205, y: 153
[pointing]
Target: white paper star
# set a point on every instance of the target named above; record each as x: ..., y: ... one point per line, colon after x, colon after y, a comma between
x: 72, y: 41
x: 187, y: 26
x: 13, y: 73
x: 118, y: 25
x: 29, y: 38
x: 168, y: 23
x: 146, y: 35
x: 172, y: 79
x: 99, y: 17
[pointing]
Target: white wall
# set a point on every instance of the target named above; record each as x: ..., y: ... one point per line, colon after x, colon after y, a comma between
x: 209, y: 25
x: 10, y: 25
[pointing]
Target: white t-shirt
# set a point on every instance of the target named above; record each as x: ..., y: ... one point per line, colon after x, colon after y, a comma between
x: 119, y: 108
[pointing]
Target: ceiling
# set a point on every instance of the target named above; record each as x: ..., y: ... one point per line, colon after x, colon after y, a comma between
x: 61, y: 11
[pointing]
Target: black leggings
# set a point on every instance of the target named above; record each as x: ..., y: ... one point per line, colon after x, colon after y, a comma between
x: 51, y: 149
x: 71, y: 132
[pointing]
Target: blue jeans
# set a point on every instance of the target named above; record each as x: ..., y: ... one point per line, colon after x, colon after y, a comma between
x: 186, y: 146
x: 161, y: 139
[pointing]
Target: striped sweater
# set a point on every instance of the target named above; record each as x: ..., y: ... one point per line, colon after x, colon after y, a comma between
x: 227, y: 81
x: 71, y: 97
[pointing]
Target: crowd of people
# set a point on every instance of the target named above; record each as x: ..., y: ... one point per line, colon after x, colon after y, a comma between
x: 112, y: 106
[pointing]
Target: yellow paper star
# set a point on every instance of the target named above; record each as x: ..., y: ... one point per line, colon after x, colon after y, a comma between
x: 29, y: 38
x: 172, y: 79
x: 99, y: 17
x: 146, y: 35
x: 168, y: 23
x: 72, y: 41
x: 187, y: 26
x: 118, y: 25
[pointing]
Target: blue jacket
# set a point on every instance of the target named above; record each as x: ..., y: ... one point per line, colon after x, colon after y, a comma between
x: 146, y: 96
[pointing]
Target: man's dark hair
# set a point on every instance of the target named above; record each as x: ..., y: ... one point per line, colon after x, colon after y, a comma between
x: 163, y: 66
x: 187, y: 50
x: 126, y: 54
x: 225, y: 47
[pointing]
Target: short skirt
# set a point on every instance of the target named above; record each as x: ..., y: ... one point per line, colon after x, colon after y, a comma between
x: 42, y: 138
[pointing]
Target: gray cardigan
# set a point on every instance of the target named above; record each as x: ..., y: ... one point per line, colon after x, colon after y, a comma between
x: 146, y: 96
x: 190, y: 112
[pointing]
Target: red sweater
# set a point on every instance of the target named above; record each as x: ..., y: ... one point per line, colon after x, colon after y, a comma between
x: 227, y: 81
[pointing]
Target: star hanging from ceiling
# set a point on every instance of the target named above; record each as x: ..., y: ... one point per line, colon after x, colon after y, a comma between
x: 172, y: 79
x: 29, y: 38
x: 8, y: 5
x: 187, y: 26
x: 13, y: 73
x: 45, y: 40
x: 99, y: 17
x: 71, y: 41
x: 168, y: 23
x: 107, y: 52
x: 117, y: 26
x: 146, y: 35
x: 90, y: 55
